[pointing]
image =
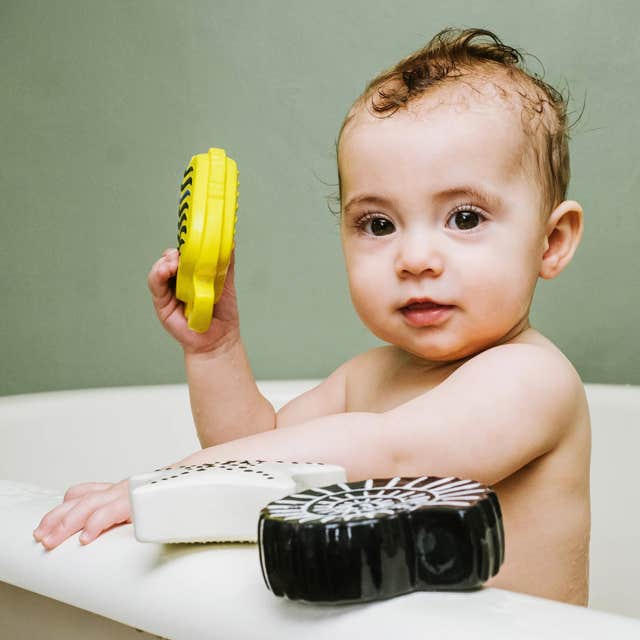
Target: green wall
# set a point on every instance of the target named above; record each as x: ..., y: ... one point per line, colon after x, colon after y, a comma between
x: 103, y: 102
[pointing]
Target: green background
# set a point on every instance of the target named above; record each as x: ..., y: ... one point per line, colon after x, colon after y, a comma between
x: 104, y: 102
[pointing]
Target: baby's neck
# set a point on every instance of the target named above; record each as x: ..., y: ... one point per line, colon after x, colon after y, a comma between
x: 518, y: 333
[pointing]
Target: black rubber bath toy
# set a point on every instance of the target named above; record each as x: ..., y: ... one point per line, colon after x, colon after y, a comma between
x: 375, y: 539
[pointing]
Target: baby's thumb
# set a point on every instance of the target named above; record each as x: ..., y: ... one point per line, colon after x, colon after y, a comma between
x: 160, y: 275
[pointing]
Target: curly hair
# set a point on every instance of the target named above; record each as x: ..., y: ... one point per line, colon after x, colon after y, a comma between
x: 454, y: 55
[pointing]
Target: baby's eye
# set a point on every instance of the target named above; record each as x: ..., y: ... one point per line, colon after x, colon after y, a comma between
x: 375, y: 225
x: 466, y: 218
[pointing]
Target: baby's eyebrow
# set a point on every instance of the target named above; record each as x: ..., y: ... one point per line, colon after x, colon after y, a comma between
x: 481, y: 194
x: 492, y: 200
x: 367, y: 199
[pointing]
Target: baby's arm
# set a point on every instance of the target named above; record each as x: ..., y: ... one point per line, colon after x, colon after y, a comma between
x: 225, y: 400
x: 496, y: 413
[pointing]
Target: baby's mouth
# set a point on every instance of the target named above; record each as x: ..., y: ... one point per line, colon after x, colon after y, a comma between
x: 423, y: 305
x: 424, y: 312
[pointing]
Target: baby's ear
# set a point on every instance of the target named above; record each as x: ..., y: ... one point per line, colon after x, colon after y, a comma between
x: 563, y: 233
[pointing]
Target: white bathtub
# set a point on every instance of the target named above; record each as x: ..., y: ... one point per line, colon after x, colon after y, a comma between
x: 116, y: 587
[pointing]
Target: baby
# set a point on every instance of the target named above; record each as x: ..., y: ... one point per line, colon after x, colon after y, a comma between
x: 453, y: 170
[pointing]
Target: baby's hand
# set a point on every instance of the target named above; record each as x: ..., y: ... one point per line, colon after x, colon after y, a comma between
x: 92, y: 506
x: 224, y: 328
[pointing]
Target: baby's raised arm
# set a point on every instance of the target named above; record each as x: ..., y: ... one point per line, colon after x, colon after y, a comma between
x: 225, y: 401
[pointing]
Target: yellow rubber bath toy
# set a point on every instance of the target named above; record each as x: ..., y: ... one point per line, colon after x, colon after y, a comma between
x: 206, y: 227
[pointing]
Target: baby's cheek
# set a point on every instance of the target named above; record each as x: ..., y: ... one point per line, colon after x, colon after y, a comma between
x: 365, y: 306
x: 371, y: 304
x: 501, y: 296
x: 361, y: 287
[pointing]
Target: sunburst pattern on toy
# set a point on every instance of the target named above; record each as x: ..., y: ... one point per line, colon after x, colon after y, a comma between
x: 206, y: 228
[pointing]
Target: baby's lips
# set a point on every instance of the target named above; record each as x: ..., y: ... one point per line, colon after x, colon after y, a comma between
x: 422, y: 304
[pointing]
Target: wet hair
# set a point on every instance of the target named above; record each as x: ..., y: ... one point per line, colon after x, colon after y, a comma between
x: 455, y: 56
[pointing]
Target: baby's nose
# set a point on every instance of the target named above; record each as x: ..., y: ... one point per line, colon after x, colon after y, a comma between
x: 418, y: 255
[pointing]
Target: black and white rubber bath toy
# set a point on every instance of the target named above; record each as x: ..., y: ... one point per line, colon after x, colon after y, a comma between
x: 369, y: 540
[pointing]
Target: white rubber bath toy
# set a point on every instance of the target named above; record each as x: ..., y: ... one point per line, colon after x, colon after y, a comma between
x: 217, y: 502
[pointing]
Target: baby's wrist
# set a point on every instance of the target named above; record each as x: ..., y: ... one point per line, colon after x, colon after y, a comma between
x: 217, y: 350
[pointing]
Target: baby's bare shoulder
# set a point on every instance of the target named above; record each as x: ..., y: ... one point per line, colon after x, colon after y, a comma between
x: 550, y: 357
x: 535, y: 360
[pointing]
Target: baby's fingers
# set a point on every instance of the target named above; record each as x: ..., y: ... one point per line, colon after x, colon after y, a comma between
x: 116, y: 512
x: 162, y: 271
x: 74, y: 519
x: 51, y: 520
x: 79, y: 490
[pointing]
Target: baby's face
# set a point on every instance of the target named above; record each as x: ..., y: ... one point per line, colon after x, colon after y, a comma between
x: 409, y: 232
